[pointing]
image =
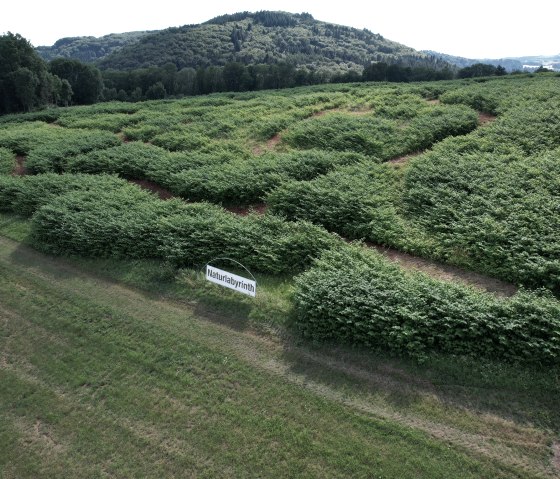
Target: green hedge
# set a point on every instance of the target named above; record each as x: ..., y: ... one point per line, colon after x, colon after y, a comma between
x: 355, y: 201
x: 100, y: 223
x: 130, y: 160
x: 111, y: 121
x: 24, y: 195
x: 129, y: 222
x: 21, y: 138
x: 7, y: 161
x: 356, y: 297
x: 144, y: 161
x: 249, y: 180
x: 501, y: 211
x: 52, y: 156
x: 197, y: 233
x: 380, y: 137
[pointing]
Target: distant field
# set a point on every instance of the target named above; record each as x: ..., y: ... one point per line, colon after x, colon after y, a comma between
x: 122, y: 361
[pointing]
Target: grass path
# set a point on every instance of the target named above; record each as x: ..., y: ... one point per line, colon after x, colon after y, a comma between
x: 100, y: 379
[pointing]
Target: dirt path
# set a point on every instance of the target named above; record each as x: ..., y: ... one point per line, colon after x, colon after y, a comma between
x: 485, y: 118
x: 268, y: 146
x: 378, y: 389
x: 160, y: 191
x: 402, y: 160
x: 20, y: 169
x: 259, y: 209
x: 165, y: 194
x: 446, y: 272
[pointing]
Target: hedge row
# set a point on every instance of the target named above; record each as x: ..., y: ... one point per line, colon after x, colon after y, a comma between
x: 355, y: 296
x: 129, y: 222
x: 501, y: 211
x: 24, y: 195
x: 248, y: 181
x: 382, y: 137
x: 356, y: 201
x: 52, y: 156
x: 221, y: 176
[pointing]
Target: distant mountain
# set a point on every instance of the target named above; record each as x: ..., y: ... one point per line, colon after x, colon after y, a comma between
x: 89, y: 49
x: 528, y: 63
x: 249, y: 38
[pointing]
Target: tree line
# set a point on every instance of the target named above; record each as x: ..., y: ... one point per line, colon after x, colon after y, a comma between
x: 27, y: 82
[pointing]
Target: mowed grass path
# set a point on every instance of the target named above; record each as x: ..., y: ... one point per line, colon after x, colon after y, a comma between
x: 101, y: 380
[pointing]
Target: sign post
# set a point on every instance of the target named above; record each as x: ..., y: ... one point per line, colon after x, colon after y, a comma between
x: 232, y: 281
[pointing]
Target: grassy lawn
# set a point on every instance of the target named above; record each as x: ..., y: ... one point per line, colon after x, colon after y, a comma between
x: 107, y: 371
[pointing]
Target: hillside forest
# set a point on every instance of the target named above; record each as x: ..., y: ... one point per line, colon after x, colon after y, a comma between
x: 240, y: 52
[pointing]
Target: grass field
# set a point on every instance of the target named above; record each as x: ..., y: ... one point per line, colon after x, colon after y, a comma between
x: 138, y: 378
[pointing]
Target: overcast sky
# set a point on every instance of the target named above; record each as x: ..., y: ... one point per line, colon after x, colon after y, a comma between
x: 473, y: 29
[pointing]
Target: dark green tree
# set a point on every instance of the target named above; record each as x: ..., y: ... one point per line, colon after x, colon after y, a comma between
x: 156, y: 91
x: 25, y: 87
x: 234, y: 75
x: 375, y: 72
x: 24, y: 80
x: 65, y: 92
x: 477, y: 70
x: 185, y: 82
x: 85, y: 80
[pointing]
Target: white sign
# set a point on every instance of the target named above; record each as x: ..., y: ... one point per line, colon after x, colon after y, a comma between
x: 232, y: 281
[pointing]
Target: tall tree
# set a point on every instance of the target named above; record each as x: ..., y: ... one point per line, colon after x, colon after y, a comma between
x: 85, y: 80
x: 24, y: 80
x: 25, y: 85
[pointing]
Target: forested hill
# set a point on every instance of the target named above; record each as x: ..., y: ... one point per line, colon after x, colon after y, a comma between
x: 265, y: 38
x: 89, y: 49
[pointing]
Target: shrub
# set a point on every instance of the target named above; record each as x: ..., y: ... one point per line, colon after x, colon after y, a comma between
x: 53, y: 155
x: 100, y: 223
x: 500, y: 211
x: 24, y: 195
x: 128, y: 222
x: 131, y: 160
x: 356, y: 297
x: 7, y: 161
x: 248, y: 181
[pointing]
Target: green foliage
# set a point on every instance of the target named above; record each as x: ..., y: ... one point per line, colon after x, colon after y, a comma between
x: 129, y: 222
x: 85, y: 80
x: 7, y: 162
x: 49, y: 115
x: 459, y: 203
x: 24, y: 195
x: 181, y: 140
x: 130, y: 160
x: 112, y: 121
x: 53, y: 156
x: 480, y: 70
x: 265, y: 38
x: 248, y: 181
x: 354, y: 201
x: 23, y: 137
x: 100, y: 223
x: 499, y: 210
x: 88, y: 49
x: 357, y: 297
x: 25, y: 83
x: 200, y: 232
x: 380, y: 137
x: 486, y: 201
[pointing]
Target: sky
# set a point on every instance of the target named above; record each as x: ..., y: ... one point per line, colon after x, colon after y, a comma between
x: 472, y: 29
